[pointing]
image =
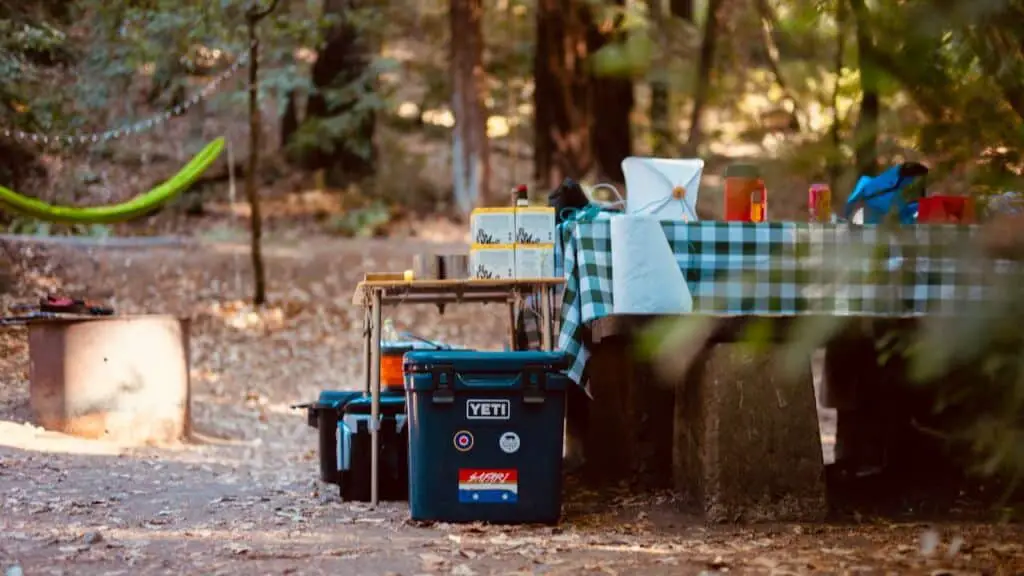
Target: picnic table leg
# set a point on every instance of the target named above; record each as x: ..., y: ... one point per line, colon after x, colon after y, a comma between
x: 513, y: 329
x: 375, y: 326
x: 545, y: 316
x: 366, y: 350
x: 747, y: 445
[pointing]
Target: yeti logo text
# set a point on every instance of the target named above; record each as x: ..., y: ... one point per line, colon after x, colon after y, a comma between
x: 487, y: 409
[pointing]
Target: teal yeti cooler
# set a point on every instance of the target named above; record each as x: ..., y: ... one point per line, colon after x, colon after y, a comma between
x: 485, y: 435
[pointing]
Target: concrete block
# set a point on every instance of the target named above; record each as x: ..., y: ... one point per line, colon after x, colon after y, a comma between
x: 747, y: 447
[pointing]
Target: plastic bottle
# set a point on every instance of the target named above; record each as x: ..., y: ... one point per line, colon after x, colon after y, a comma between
x: 819, y: 203
x: 520, y: 197
x: 388, y: 332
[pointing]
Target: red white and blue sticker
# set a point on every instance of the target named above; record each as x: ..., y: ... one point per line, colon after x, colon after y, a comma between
x: 487, y: 486
x: 463, y: 440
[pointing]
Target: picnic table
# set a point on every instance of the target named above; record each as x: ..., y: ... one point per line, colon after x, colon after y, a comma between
x: 372, y: 296
x: 738, y: 431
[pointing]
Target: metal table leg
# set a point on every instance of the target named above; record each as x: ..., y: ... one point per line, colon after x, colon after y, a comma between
x: 367, y: 313
x: 375, y: 327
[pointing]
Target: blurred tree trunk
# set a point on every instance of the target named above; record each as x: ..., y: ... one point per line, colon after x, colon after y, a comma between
x: 707, y: 64
x: 290, y: 119
x: 835, y: 160
x: 470, y: 147
x: 611, y: 106
x: 562, y: 93
x: 866, y: 133
x: 681, y: 9
x: 663, y: 139
x: 343, y: 60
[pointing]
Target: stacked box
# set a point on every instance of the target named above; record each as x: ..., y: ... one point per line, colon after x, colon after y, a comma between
x: 535, y: 237
x: 492, y: 261
x: 535, y: 261
x: 535, y: 225
x: 490, y: 226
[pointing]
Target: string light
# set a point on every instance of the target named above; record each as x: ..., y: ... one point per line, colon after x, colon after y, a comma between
x: 137, y: 127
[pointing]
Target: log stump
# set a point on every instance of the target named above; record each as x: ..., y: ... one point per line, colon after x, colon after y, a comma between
x: 747, y: 445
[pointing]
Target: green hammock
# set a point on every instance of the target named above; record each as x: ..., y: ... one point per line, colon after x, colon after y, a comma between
x: 138, y: 206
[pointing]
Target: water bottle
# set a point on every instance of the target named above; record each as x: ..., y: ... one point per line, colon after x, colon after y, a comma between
x: 388, y: 333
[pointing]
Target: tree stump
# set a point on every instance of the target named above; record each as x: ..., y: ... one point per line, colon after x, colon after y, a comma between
x: 747, y: 445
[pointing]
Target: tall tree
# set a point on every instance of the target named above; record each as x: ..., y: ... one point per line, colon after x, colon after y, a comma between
x: 707, y: 64
x: 253, y: 17
x: 562, y: 93
x: 661, y: 117
x: 612, y: 102
x: 470, y: 146
x: 337, y: 119
x: 866, y: 133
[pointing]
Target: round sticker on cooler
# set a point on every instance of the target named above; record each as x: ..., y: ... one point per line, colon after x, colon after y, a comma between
x: 509, y: 442
x: 463, y: 441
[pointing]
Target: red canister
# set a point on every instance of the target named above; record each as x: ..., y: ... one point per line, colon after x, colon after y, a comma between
x: 746, y: 197
x: 945, y: 210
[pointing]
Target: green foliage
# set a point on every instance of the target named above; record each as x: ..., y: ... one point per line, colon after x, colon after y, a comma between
x: 358, y: 100
x: 27, y: 100
x: 361, y: 222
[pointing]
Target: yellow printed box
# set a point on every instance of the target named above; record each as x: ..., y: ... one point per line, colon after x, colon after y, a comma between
x: 492, y: 226
x: 535, y: 261
x: 535, y: 225
x: 492, y: 261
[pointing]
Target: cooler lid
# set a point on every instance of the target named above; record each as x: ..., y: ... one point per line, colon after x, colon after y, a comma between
x: 389, y: 405
x: 336, y: 398
x: 483, y: 370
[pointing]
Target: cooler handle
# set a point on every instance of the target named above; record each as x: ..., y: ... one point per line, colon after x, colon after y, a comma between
x: 534, y: 384
x: 443, y: 378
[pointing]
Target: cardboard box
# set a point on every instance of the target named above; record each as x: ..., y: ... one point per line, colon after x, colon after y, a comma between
x: 535, y: 225
x: 492, y: 226
x: 534, y: 261
x: 492, y: 261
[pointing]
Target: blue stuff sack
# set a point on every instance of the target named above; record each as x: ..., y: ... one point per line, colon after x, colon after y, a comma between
x: 885, y: 193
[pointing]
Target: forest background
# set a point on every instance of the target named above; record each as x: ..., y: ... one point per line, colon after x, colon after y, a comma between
x: 374, y: 115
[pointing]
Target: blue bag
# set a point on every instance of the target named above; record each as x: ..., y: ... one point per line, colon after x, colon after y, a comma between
x: 882, y: 194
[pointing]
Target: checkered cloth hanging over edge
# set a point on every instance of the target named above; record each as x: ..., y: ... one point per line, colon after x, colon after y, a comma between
x: 782, y: 269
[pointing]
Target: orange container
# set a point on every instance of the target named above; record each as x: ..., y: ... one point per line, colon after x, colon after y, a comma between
x: 945, y: 210
x: 392, y: 378
x: 746, y: 197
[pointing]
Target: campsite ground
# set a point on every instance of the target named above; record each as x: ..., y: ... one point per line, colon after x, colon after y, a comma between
x: 254, y: 505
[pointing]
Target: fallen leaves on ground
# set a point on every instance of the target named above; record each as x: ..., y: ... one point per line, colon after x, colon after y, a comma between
x: 68, y: 506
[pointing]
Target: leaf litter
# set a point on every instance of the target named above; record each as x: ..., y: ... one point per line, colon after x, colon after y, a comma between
x: 252, y: 502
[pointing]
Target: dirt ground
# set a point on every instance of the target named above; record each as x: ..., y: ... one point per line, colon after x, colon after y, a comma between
x: 71, y: 506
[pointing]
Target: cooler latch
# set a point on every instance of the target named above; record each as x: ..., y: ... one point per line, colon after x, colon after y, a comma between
x: 534, y: 384
x: 444, y: 380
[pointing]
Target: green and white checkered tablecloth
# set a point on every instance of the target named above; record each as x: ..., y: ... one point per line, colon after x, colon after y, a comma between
x: 783, y: 269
